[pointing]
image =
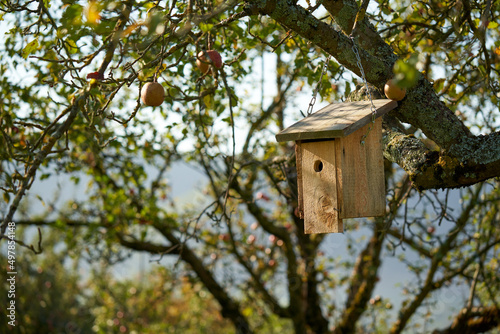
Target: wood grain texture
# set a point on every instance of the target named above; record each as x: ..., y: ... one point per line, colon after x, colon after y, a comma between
x: 336, y: 120
x: 300, y: 190
x: 360, y: 173
x: 321, y: 214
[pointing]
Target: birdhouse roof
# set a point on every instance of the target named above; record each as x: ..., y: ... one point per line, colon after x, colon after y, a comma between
x: 336, y: 120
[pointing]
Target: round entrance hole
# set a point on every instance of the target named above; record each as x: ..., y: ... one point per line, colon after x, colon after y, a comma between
x: 318, y: 166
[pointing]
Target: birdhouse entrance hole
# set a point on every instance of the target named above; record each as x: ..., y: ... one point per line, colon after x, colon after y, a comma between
x: 340, y: 166
x: 318, y: 166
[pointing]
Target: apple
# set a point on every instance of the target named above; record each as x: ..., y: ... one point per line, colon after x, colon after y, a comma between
x: 205, y: 58
x: 152, y: 94
x: 393, y: 91
x: 95, y: 75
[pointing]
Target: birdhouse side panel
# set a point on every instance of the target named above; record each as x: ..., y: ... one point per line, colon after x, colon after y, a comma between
x: 360, y: 172
x: 300, y: 194
x: 319, y: 187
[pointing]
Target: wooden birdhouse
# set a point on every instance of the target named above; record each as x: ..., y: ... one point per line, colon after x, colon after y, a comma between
x: 340, y: 167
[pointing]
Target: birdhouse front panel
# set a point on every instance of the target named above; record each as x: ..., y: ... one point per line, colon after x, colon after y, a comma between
x: 319, y: 186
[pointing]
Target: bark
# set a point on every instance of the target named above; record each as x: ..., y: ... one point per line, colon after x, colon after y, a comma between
x: 464, y: 159
x: 430, y: 169
x: 477, y: 320
x: 298, y: 19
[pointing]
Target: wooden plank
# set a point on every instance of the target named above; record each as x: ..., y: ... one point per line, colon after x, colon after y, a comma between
x: 321, y: 214
x: 360, y: 173
x: 300, y: 191
x: 335, y: 120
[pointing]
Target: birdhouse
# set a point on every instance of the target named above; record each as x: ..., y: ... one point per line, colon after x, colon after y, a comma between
x: 340, y: 166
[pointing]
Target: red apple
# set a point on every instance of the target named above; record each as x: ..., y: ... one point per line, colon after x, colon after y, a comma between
x: 205, y: 58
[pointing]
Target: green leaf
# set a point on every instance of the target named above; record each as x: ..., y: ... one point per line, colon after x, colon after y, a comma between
x: 72, y: 47
x: 439, y: 84
x: 493, y: 25
x: 406, y: 71
x: 30, y: 48
x: 205, y: 27
x: 209, y: 101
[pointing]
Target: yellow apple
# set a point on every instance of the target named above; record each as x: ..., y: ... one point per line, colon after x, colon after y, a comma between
x: 152, y: 94
x: 393, y: 91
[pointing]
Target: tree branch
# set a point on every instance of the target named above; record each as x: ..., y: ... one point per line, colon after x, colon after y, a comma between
x: 72, y: 110
x: 429, y: 169
x: 465, y: 159
x: 230, y: 308
x: 323, y: 35
x: 344, y: 12
x: 429, y: 285
x: 478, y: 320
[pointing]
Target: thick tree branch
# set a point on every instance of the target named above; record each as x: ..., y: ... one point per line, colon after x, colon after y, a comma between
x: 323, y: 35
x: 429, y: 169
x: 145, y: 246
x: 344, y: 12
x: 466, y: 159
x: 478, y: 320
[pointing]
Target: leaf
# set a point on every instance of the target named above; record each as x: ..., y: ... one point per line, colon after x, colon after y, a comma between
x: 72, y: 47
x: 30, y: 48
x: 40, y: 199
x: 93, y: 12
x: 209, y: 101
x: 205, y: 27
x: 439, y: 84
x: 493, y: 25
x: 406, y: 71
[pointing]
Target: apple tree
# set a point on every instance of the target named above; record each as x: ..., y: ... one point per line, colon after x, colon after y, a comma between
x: 71, y: 79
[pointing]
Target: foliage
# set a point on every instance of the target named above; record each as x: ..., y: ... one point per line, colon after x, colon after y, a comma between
x: 49, y: 296
x: 71, y: 76
x: 54, y: 297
